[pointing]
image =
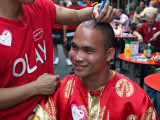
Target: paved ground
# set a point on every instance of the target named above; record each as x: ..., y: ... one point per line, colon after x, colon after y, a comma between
x: 63, y: 70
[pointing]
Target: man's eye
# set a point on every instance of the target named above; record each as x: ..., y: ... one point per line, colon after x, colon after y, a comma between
x: 74, y: 46
x: 89, y: 51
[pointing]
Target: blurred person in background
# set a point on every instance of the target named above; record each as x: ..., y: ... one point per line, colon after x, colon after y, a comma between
x: 59, y: 37
x: 123, y: 19
x: 149, y: 30
x: 137, y: 19
x: 149, y: 9
x: 88, y: 3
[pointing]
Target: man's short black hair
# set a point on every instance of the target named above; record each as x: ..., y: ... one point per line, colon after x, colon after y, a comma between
x: 108, y: 36
x: 143, y: 1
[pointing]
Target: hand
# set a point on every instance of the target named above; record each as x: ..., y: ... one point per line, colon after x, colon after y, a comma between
x: 107, y: 14
x: 46, y: 84
x: 116, y: 21
x: 140, y: 39
x: 157, y: 58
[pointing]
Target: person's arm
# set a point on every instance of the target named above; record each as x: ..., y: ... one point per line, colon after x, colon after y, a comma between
x: 75, y: 17
x: 44, y: 85
x: 140, y: 38
x: 134, y: 17
x: 119, y: 22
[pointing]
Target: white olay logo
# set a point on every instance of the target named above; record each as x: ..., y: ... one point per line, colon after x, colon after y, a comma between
x: 25, y: 63
x: 38, y: 34
x: 6, y: 38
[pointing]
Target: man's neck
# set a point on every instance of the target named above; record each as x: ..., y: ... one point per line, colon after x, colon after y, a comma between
x: 95, y: 82
x: 10, y: 10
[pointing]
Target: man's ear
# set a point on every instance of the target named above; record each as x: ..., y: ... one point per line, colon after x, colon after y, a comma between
x: 110, y: 53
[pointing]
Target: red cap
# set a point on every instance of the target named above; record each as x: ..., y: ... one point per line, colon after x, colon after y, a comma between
x: 153, y: 81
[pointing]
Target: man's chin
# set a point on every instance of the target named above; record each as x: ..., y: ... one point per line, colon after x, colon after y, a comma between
x: 79, y: 74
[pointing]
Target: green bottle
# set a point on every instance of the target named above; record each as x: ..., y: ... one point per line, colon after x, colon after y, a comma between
x: 148, y: 50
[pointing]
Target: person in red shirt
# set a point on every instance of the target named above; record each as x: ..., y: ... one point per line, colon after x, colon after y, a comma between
x: 71, y: 29
x: 147, y: 31
x: 26, y: 50
x: 59, y: 37
x: 88, y: 3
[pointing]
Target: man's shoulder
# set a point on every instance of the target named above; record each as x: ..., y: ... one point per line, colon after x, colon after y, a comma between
x: 69, y: 78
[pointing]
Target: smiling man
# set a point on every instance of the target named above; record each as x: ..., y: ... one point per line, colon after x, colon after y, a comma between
x: 94, y: 92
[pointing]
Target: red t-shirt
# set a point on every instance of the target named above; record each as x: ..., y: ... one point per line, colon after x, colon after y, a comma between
x: 143, y: 30
x: 57, y: 26
x: 90, y: 4
x: 78, y: 8
x: 26, y: 52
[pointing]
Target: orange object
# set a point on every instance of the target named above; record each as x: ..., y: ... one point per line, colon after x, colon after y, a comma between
x: 127, y: 51
x: 144, y: 52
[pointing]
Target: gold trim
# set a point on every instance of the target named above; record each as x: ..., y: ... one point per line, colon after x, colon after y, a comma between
x: 94, y: 104
x: 69, y: 88
x: 41, y: 113
x: 48, y: 112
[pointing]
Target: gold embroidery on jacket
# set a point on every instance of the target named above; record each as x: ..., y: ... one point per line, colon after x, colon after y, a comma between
x: 124, y: 88
x: 104, y: 113
x: 69, y: 88
x: 150, y: 114
x: 132, y: 117
x: 49, y: 113
x: 94, y: 104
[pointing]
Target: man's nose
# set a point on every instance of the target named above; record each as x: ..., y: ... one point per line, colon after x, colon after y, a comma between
x: 79, y: 56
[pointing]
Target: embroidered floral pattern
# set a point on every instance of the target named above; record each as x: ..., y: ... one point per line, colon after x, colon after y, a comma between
x: 69, y: 88
x: 124, y: 88
x: 150, y: 114
x: 132, y: 117
x: 50, y: 109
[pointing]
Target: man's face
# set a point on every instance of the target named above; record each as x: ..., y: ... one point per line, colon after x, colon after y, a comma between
x: 118, y: 13
x: 142, y: 5
x: 87, y: 53
x: 150, y: 18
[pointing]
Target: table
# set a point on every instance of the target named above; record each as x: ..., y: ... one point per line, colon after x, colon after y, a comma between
x: 153, y: 81
x: 133, y: 60
x: 120, y: 37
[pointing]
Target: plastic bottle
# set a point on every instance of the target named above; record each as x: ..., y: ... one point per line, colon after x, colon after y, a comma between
x: 148, y: 50
x: 127, y: 51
